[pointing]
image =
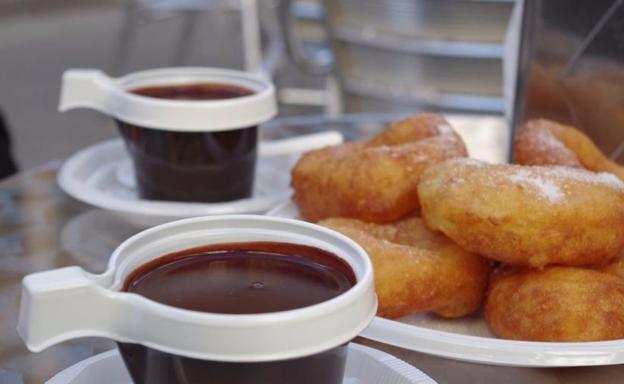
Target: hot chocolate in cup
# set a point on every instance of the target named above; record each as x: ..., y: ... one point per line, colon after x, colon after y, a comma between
x: 319, y: 295
x: 192, y: 133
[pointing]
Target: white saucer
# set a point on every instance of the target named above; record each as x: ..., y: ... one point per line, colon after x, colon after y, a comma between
x: 364, y: 366
x: 101, y: 175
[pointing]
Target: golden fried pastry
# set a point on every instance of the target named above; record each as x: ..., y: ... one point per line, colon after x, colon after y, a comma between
x: 417, y: 270
x: 555, y: 304
x: 534, y: 216
x: 375, y: 180
x: 544, y: 142
x: 411, y: 129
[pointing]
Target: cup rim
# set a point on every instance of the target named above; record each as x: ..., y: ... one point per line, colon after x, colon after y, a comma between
x: 118, y: 281
x: 239, y: 319
x: 139, y: 79
x: 193, y: 115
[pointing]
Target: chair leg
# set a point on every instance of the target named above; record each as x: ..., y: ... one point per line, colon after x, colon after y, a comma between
x: 252, y: 43
x: 127, y: 35
x: 219, y: 24
x: 182, y: 51
x: 273, y: 52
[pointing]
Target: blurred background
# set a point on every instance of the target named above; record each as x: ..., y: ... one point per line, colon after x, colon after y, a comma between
x: 326, y: 57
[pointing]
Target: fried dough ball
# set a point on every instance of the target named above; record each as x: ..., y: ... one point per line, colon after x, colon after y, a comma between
x: 545, y: 142
x: 375, y: 180
x: 555, y: 304
x: 534, y: 216
x: 417, y: 270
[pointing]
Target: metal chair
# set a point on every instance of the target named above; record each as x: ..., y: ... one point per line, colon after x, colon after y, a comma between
x: 404, y: 55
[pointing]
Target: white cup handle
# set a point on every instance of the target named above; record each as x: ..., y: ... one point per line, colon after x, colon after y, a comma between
x: 86, y: 88
x: 57, y: 303
x: 299, y: 144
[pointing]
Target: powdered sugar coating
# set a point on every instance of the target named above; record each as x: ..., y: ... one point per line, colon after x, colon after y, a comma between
x: 468, y: 162
x: 585, y: 176
x: 545, y: 187
x: 445, y: 129
x: 444, y: 146
x: 550, y: 182
x: 544, y: 140
x: 547, y: 182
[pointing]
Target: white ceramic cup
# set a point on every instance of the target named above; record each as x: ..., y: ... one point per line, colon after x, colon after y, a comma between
x: 69, y: 303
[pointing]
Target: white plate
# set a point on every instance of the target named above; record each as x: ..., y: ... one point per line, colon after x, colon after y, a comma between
x: 469, y: 339
x: 364, y: 366
x: 101, y: 175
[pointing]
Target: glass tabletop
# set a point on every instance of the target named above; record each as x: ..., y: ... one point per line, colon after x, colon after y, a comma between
x: 43, y: 228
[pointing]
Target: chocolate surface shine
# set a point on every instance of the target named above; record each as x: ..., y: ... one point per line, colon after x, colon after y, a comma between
x: 243, y: 278
x: 194, y: 91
